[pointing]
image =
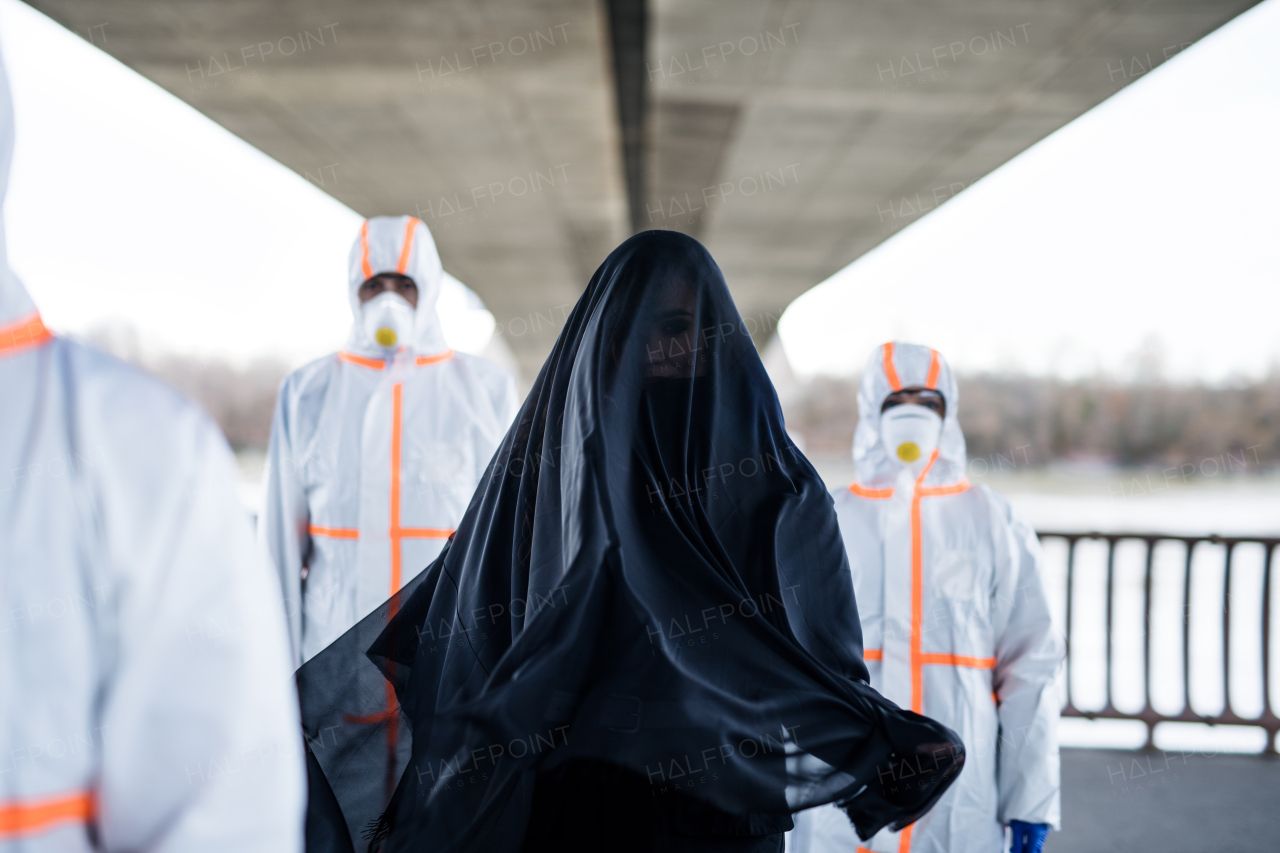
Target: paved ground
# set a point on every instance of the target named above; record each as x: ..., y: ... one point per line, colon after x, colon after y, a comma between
x: 1168, y: 802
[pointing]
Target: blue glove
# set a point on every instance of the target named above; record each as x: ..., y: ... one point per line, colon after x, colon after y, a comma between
x: 1027, y: 837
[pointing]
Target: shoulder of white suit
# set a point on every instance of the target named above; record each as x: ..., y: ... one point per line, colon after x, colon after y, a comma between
x: 999, y: 503
x: 846, y: 500
x: 1004, y: 509
x: 116, y: 381
x: 318, y: 371
x: 309, y: 372
x: 125, y: 404
x: 484, y: 369
x: 999, y: 509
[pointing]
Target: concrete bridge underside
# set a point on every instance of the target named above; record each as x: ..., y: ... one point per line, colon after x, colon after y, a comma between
x: 790, y: 136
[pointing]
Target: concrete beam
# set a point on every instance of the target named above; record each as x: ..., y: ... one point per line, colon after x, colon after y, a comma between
x: 494, y: 122
x: 791, y: 137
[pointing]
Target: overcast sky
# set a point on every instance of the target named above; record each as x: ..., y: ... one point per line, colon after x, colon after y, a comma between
x: 127, y: 206
x: 1143, y: 234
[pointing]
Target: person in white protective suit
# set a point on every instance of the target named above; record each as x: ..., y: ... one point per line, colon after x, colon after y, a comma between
x: 954, y: 618
x: 146, y: 702
x: 376, y: 449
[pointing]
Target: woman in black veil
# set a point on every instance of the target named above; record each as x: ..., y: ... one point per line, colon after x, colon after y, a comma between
x: 643, y: 634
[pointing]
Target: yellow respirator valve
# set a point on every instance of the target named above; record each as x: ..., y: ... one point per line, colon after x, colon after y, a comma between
x: 908, y: 451
x: 387, y: 338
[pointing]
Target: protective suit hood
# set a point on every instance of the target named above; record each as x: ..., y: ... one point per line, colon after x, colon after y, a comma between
x: 144, y: 524
x: 892, y: 367
x: 15, y: 303
x: 397, y: 244
x: 955, y: 620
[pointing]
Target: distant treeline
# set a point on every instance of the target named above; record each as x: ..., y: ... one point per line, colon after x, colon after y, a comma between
x: 1047, y: 420
x: 1033, y: 421
x: 241, y: 400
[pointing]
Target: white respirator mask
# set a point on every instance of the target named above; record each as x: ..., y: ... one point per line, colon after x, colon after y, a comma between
x: 910, y: 433
x: 388, y: 320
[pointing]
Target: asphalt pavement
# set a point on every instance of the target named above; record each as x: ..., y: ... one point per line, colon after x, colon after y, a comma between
x: 1170, y: 802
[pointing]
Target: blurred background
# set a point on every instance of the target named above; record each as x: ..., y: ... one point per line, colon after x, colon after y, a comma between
x: 1074, y: 202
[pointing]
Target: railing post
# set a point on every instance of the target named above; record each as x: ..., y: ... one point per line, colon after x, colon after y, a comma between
x: 1227, y: 710
x: 1148, y: 711
x: 1111, y: 559
x: 1268, y: 721
x: 1186, y: 631
x: 1066, y: 664
x: 1267, y: 710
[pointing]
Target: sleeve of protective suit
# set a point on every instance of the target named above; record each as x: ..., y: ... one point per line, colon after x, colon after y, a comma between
x: 200, y: 731
x: 1029, y: 651
x: 282, y: 527
x: 499, y: 389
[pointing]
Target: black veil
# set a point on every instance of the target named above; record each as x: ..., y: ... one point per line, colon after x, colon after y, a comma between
x: 649, y: 574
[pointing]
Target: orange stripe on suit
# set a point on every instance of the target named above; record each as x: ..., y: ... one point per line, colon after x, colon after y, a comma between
x: 20, y: 818
x: 23, y: 334
x: 364, y: 251
x: 891, y: 372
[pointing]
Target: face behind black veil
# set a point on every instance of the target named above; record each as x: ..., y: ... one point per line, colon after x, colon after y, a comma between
x: 649, y: 575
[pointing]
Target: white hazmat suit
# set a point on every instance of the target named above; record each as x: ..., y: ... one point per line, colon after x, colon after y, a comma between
x: 145, y: 694
x: 375, y: 452
x: 954, y: 622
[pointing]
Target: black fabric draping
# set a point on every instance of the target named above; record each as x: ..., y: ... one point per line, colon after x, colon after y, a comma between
x: 649, y: 577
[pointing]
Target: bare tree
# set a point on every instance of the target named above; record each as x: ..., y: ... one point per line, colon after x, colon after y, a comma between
x: 1152, y: 423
